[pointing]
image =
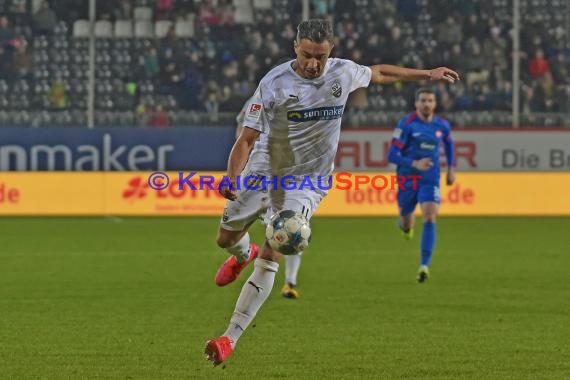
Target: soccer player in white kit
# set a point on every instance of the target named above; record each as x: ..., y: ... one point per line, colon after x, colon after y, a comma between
x: 296, y: 114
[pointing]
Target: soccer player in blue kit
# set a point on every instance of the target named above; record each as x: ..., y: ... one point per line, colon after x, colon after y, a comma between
x: 415, y: 151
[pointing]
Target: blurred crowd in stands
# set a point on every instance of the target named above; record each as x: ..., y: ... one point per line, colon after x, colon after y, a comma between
x: 232, y: 44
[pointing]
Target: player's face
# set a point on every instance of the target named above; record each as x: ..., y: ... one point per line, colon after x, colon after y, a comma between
x: 311, y: 57
x: 425, y: 104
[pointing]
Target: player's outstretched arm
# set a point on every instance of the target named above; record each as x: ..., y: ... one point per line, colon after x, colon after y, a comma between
x: 386, y: 74
x: 449, y: 147
x: 238, y: 158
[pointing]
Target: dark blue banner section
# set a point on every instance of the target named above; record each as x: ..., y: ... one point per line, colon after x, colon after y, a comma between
x: 115, y: 149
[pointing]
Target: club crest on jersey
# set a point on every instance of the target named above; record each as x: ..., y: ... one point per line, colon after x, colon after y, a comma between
x: 323, y: 113
x: 438, y: 133
x: 336, y: 89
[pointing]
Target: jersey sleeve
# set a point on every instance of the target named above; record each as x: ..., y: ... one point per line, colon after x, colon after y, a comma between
x: 448, y: 145
x: 400, y: 135
x: 399, y: 140
x: 257, y: 109
x: 360, y: 75
x: 241, y: 115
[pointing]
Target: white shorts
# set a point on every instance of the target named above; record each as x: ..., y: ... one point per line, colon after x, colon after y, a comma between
x: 262, y: 204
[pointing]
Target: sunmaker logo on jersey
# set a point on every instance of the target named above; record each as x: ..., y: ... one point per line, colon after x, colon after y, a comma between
x: 323, y: 113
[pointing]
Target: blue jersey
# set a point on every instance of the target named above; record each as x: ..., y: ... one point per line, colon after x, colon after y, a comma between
x: 414, y: 139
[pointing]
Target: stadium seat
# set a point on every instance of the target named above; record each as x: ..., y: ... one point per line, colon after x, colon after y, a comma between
x: 61, y: 29
x: 81, y: 28
x: 123, y: 29
x: 123, y: 44
x: 79, y: 44
x: 78, y: 117
x: 184, y: 29
x: 60, y: 43
x: 103, y: 28
x: 144, y: 29
x: 243, y: 12
x: 161, y: 28
x: 3, y: 86
x: 4, y: 118
x: 143, y: 13
x: 41, y: 43
x: 262, y: 4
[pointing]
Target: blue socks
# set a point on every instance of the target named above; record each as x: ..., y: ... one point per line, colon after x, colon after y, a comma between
x: 428, y: 242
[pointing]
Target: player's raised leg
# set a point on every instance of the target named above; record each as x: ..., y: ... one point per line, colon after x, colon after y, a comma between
x: 429, y: 211
x: 233, y: 235
x: 258, y: 286
x: 253, y: 294
x: 292, y: 264
x: 242, y: 251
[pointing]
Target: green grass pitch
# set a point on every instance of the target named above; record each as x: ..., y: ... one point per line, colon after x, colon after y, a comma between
x: 135, y: 299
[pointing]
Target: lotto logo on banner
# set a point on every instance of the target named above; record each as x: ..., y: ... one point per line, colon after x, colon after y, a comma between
x: 134, y: 195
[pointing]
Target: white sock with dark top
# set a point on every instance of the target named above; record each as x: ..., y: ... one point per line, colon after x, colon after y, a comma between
x: 253, y: 294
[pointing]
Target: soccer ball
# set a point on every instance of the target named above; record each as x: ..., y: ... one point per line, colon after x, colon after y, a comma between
x: 288, y: 232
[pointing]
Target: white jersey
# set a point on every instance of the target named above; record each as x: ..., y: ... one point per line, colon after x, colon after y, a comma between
x: 300, y: 119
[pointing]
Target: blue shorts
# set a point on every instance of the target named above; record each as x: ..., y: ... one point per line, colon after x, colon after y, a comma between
x: 408, y: 199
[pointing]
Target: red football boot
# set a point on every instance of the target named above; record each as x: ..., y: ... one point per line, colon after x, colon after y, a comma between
x: 230, y: 269
x: 218, y: 350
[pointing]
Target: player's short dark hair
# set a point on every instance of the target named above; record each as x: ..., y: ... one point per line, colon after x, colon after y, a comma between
x: 316, y: 30
x: 423, y: 90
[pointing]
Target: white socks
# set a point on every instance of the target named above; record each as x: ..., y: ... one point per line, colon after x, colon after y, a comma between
x: 241, y: 249
x: 253, y: 294
x: 292, y: 264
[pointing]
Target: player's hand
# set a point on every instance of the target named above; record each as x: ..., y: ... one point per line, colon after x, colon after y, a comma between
x: 423, y: 164
x: 450, y: 176
x: 443, y: 74
x: 229, y: 192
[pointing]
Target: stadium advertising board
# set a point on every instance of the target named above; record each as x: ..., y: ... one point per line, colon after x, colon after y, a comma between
x: 114, y: 149
x: 129, y: 194
x: 207, y: 148
x: 488, y: 150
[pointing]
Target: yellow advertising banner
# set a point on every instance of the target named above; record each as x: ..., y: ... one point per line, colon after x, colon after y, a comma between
x: 471, y: 194
x: 132, y: 193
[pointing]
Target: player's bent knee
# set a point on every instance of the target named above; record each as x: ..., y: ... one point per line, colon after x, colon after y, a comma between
x: 269, y: 254
x: 430, y: 218
x: 222, y: 243
x: 227, y: 239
